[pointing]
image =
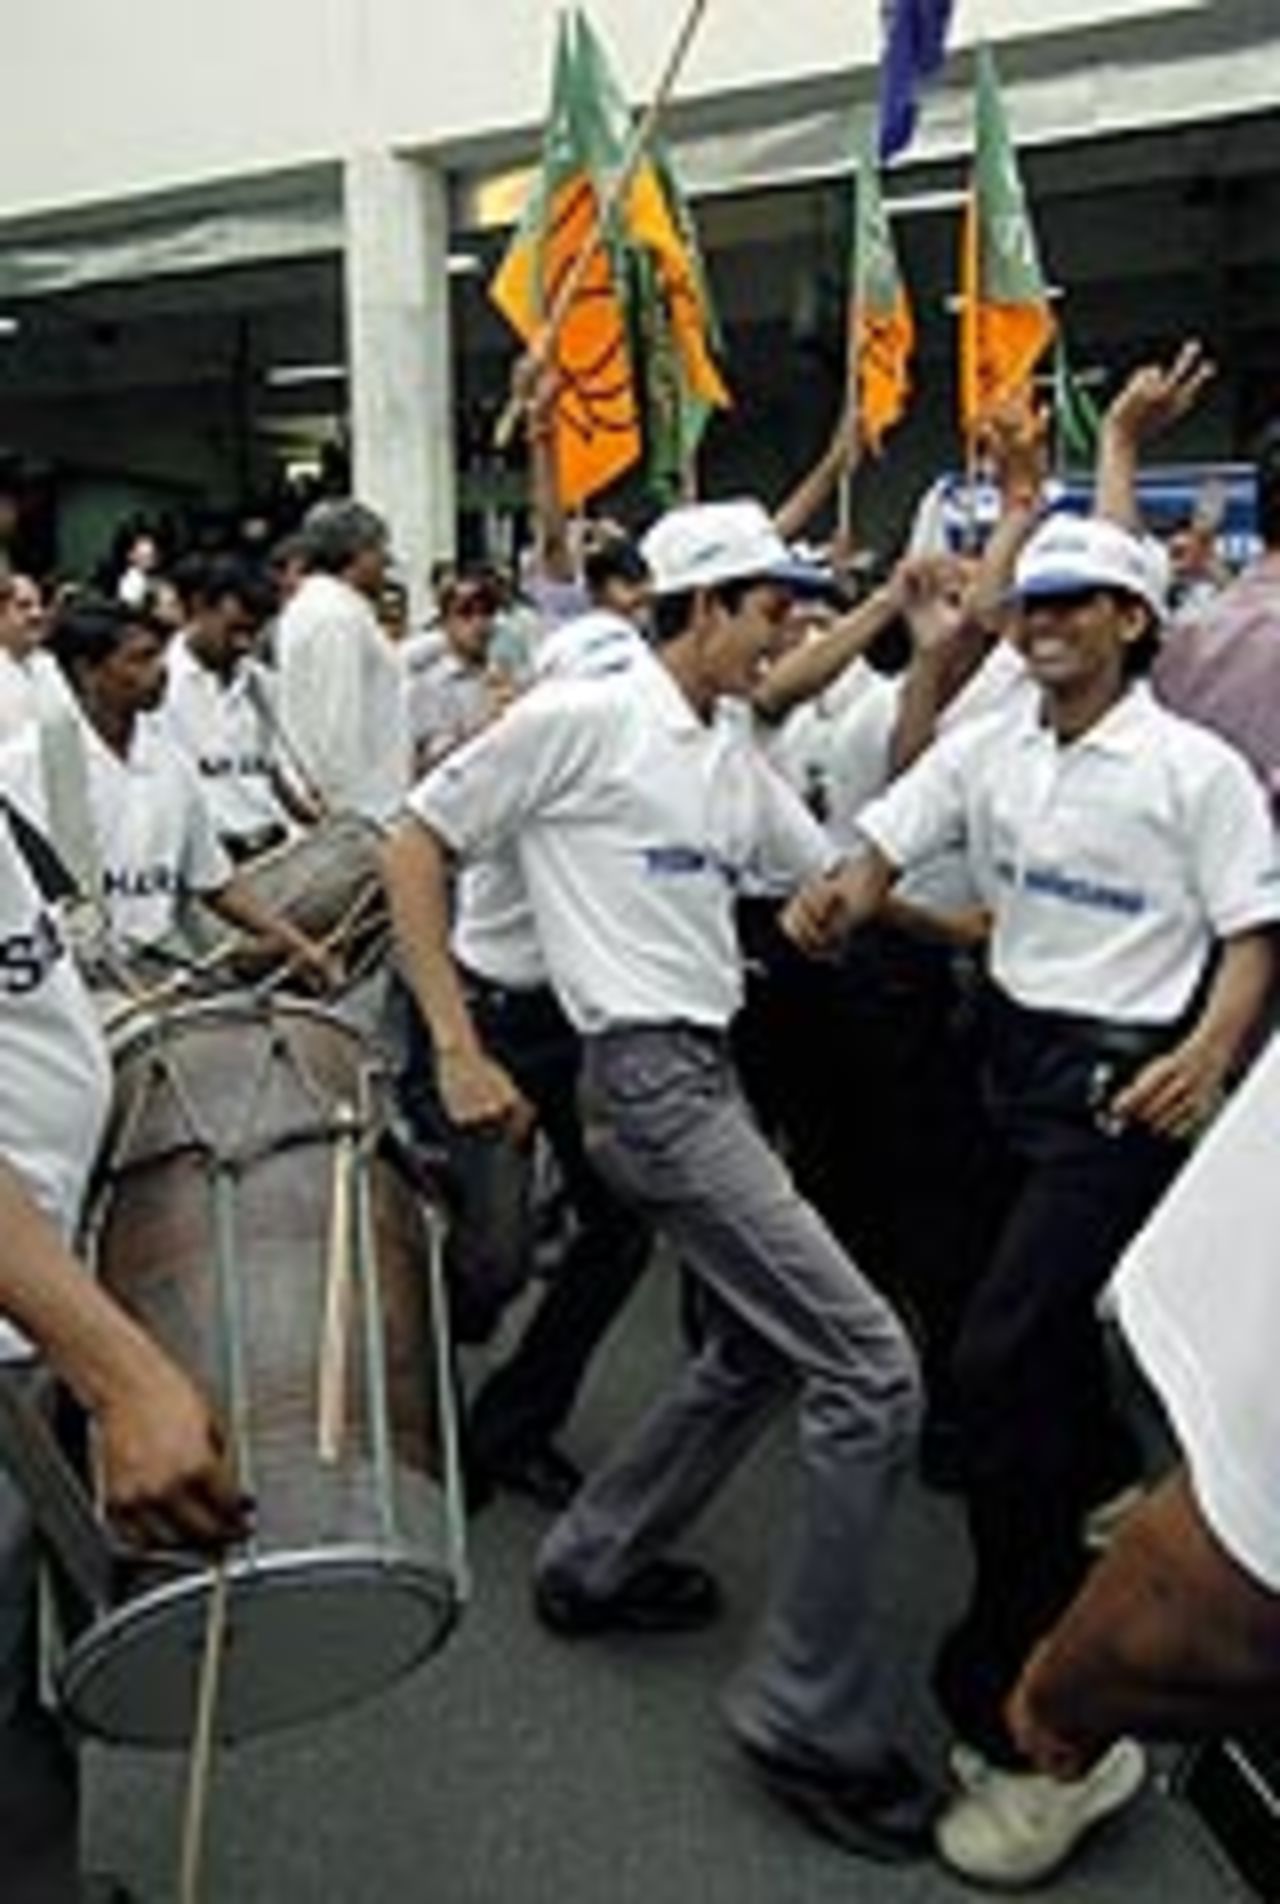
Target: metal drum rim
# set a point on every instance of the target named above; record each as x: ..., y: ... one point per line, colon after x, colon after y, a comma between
x: 411, y: 1576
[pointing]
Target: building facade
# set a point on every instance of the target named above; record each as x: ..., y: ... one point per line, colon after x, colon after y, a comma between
x: 251, y: 240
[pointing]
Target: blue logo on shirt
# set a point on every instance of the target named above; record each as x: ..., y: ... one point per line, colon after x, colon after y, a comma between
x: 1075, y: 890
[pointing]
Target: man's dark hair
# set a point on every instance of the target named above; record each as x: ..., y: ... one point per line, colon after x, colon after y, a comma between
x: 612, y: 559
x: 224, y: 575
x: 335, y: 533
x: 87, y: 631
x: 670, y: 615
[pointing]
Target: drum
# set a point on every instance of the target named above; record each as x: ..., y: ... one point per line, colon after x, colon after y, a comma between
x: 253, y: 1223
x: 327, y: 882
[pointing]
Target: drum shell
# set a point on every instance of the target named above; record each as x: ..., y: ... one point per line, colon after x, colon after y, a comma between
x: 326, y: 882
x: 216, y: 1232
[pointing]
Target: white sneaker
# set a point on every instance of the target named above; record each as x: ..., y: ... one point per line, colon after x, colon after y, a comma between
x: 1016, y: 1828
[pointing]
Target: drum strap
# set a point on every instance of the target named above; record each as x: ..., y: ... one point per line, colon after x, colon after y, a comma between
x: 44, y: 862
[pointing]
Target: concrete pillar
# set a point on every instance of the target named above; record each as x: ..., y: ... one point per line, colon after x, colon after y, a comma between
x: 399, y: 353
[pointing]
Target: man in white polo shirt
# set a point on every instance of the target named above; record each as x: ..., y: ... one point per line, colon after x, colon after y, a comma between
x: 219, y: 709
x: 123, y: 807
x: 636, y: 814
x: 164, y: 1469
x: 1129, y: 864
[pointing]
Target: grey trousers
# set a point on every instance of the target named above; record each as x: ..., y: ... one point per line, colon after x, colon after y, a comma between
x: 787, y: 1313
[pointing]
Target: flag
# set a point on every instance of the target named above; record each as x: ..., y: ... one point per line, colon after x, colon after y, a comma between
x: 1005, y: 320
x: 915, y: 47
x: 1075, y: 413
x: 677, y: 322
x: 882, y: 332
x: 596, y: 432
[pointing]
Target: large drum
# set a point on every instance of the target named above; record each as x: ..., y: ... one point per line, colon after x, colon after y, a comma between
x: 251, y: 1220
x: 327, y: 882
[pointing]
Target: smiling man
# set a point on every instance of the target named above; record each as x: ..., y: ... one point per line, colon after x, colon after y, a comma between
x: 635, y: 813
x: 1129, y: 865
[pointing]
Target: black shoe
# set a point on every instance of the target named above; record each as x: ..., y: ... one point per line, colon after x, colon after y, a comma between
x: 544, y: 1475
x: 884, y: 1813
x: 666, y: 1596
x: 101, y: 1889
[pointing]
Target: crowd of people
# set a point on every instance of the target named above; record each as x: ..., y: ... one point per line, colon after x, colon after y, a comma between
x: 881, y: 947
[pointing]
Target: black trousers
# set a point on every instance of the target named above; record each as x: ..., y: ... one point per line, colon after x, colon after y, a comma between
x: 868, y: 1073
x: 529, y: 1397
x: 1043, y: 1440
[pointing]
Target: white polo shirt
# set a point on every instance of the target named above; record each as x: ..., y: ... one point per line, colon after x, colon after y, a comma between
x: 1110, y: 864
x: 635, y: 823
x: 1198, y: 1296
x: 342, y: 698
x: 55, y: 1078
x: 494, y: 932
x: 154, y: 843
x: 224, y: 729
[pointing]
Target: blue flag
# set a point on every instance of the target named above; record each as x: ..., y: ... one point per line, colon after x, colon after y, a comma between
x: 916, y: 44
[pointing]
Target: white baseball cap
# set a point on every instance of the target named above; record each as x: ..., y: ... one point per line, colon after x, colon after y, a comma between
x: 704, y: 543
x: 1070, y: 555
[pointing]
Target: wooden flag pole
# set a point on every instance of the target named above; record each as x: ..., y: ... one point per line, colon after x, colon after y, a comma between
x: 534, y: 361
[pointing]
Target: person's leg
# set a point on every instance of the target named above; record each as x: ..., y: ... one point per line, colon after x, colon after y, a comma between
x: 1038, y: 1416
x: 790, y: 1309
x: 524, y: 1402
x: 1169, y: 1637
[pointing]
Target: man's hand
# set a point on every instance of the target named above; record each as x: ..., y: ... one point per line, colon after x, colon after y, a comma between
x: 166, y: 1475
x: 1015, y: 445
x: 814, y: 916
x: 1176, y: 1093
x: 1157, y: 396
x: 477, y: 1091
x: 314, y: 962
x: 931, y: 594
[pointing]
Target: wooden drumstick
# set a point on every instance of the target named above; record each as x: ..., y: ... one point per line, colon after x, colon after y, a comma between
x: 203, y: 1738
x: 337, y: 1306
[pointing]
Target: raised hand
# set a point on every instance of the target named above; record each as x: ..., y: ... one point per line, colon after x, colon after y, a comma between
x: 1156, y: 396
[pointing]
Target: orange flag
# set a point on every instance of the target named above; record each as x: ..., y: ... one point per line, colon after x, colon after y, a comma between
x: 596, y: 419
x: 882, y: 331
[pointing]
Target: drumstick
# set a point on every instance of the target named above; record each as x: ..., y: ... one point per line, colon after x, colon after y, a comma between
x: 200, y: 1768
x: 337, y: 1304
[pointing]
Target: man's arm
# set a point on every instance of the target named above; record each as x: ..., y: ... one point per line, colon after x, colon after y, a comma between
x: 1177, y: 1092
x: 1153, y: 399
x: 839, y: 458
x: 810, y: 669
x: 475, y: 1090
x: 948, y: 650
x: 238, y: 904
x: 165, y: 1470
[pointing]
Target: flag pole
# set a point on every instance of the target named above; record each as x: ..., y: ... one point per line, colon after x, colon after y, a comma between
x: 533, y: 362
